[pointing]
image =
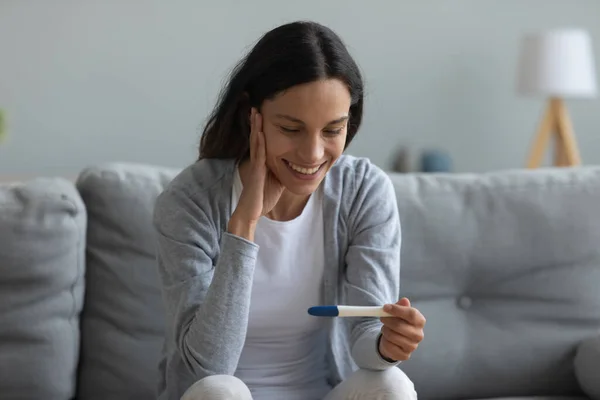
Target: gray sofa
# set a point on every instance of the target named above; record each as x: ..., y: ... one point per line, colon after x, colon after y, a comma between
x: 505, y: 266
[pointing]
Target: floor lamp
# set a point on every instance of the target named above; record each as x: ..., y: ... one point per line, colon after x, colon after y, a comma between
x: 556, y: 65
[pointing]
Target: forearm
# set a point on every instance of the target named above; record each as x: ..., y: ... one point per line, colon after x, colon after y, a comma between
x: 213, y: 341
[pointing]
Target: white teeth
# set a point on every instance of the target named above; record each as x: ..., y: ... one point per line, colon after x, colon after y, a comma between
x: 305, y: 171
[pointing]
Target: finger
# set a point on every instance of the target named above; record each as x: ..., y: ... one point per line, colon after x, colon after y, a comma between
x: 251, y: 117
x: 261, y: 151
x: 403, y: 328
x: 409, y: 314
x: 404, y: 302
x: 259, y: 121
x: 253, y: 138
x: 393, y: 351
x: 409, y: 334
x: 406, y: 345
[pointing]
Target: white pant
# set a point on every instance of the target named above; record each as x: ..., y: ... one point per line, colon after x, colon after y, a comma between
x: 391, y: 384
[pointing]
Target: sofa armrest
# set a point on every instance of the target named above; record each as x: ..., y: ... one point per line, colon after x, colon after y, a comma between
x: 587, y: 366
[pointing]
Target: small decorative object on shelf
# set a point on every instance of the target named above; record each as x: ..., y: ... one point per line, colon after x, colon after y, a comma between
x: 436, y: 161
x: 401, y: 162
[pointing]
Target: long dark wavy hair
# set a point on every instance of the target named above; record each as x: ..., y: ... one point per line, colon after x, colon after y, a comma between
x: 289, y: 55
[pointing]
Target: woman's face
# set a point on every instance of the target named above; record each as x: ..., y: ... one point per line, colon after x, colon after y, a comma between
x: 305, y: 130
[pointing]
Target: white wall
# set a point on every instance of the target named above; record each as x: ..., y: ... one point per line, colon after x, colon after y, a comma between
x: 85, y: 81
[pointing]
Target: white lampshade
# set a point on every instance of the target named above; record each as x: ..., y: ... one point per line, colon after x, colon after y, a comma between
x: 557, y: 64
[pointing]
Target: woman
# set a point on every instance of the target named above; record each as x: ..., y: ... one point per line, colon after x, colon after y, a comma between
x: 273, y: 219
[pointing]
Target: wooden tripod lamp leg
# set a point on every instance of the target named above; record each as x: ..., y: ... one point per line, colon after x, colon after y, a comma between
x: 542, y: 137
x: 566, y: 137
x: 555, y: 123
x: 560, y: 155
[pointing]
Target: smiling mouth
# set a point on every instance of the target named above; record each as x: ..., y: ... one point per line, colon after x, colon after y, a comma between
x: 302, y: 170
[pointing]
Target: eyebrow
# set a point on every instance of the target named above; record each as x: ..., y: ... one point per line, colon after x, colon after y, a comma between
x: 299, y: 121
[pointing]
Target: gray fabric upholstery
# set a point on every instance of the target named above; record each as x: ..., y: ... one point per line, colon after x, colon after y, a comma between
x: 505, y: 266
x: 538, y: 398
x: 587, y: 366
x: 123, y: 318
x: 42, y: 244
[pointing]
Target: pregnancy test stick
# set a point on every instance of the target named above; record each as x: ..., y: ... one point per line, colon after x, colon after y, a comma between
x: 348, y: 311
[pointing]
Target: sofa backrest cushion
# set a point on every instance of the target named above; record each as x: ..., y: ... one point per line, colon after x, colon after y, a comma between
x: 123, y: 317
x: 42, y: 267
x: 505, y: 266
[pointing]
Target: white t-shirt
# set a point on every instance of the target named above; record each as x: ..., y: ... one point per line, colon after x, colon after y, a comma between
x: 285, y: 349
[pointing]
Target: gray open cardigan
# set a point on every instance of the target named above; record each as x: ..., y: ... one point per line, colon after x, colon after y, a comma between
x: 206, y: 273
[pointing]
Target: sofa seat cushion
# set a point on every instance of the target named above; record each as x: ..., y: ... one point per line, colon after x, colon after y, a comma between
x: 123, y: 317
x: 42, y: 266
x: 505, y: 266
x: 537, y: 398
x: 587, y: 366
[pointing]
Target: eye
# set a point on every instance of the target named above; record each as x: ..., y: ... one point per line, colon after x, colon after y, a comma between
x: 334, y: 132
x: 288, y: 130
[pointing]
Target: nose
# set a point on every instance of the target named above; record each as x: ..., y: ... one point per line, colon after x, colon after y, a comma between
x: 311, y: 149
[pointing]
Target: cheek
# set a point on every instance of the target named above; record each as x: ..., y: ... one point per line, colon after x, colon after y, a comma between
x: 337, y: 145
x: 275, y: 146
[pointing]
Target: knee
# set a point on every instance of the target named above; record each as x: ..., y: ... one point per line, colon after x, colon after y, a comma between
x: 389, y: 384
x: 218, y: 387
